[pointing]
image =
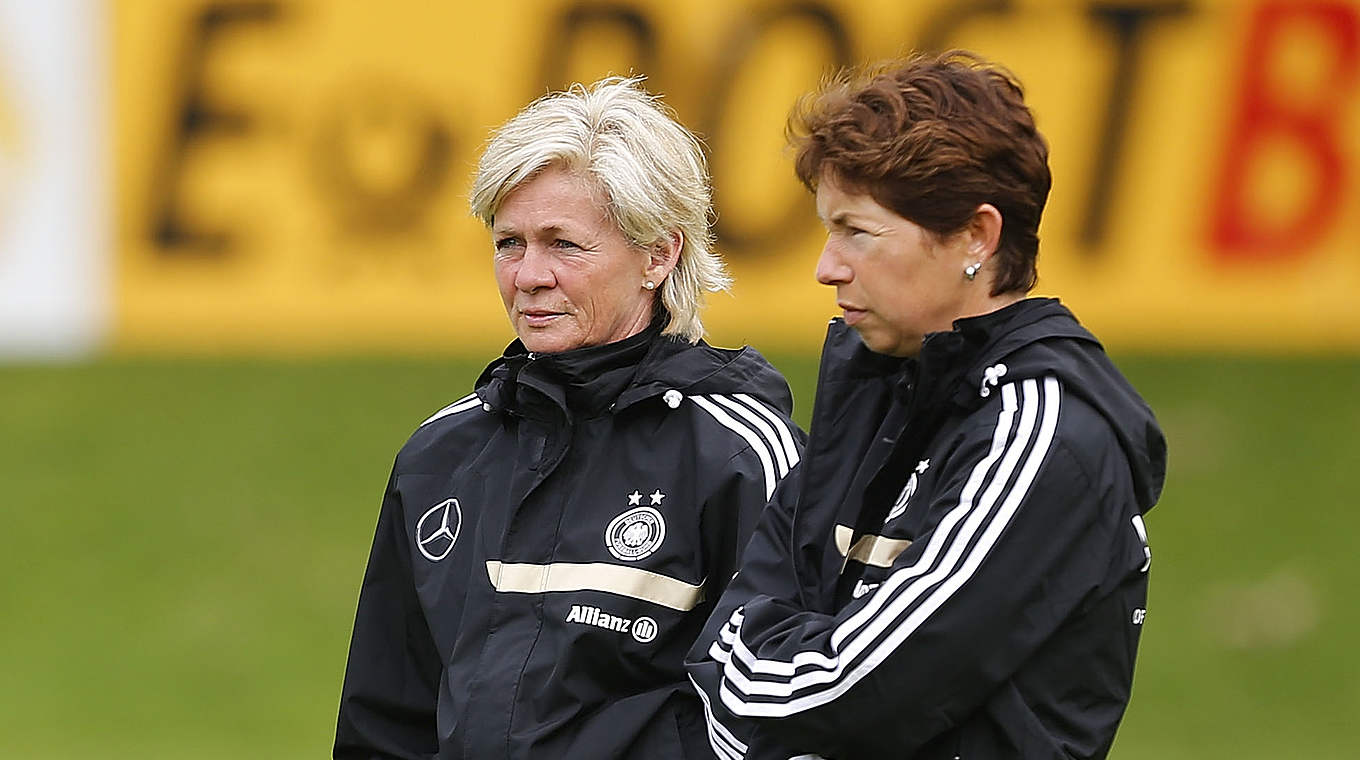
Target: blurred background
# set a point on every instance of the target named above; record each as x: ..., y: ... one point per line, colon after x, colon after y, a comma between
x: 237, y: 269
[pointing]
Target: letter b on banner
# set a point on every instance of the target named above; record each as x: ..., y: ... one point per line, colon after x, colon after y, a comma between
x: 1249, y: 222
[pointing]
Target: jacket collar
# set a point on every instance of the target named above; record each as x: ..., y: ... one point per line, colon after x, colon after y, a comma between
x: 582, y: 381
x: 952, y: 363
x: 958, y: 369
x: 613, y: 377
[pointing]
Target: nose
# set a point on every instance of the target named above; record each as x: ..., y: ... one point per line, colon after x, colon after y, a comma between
x: 831, y: 268
x: 535, y: 270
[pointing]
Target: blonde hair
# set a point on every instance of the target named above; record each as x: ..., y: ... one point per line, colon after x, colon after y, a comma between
x: 650, y: 171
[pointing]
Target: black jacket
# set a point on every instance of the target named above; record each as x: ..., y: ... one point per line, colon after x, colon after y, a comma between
x: 958, y: 569
x: 550, y: 547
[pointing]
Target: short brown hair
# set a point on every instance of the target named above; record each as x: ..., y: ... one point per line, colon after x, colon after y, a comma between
x: 931, y: 138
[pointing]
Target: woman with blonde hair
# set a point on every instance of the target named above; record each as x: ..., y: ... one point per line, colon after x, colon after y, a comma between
x: 550, y: 545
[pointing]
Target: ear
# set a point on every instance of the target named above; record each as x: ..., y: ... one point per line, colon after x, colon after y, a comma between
x: 984, y: 233
x: 663, y: 257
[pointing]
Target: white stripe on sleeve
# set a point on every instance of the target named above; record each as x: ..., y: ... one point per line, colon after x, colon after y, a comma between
x: 463, y: 404
x: 785, y: 436
x: 897, y: 609
x: 757, y: 444
x: 725, y: 745
x: 781, y: 460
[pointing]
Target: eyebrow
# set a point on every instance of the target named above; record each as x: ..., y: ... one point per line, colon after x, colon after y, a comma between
x: 551, y: 229
x: 844, y: 218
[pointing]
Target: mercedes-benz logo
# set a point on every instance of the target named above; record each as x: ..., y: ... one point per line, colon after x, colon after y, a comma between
x: 437, y: 530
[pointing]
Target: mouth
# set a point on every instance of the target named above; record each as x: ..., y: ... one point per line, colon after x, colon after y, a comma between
x: 852, y: 313
x: 539, y: 317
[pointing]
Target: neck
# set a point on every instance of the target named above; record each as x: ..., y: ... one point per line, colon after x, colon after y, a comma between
x: 987, y: 303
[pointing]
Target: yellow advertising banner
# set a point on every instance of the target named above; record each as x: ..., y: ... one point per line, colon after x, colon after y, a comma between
x: 292, y: 175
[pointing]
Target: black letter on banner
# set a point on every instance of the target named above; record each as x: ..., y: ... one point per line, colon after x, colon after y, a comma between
x: 194, y: 118
x: 1127, y: 22
x: 791, y: 224
x: 573, y: 24
x: 937, y: 32
x: 420, y: 148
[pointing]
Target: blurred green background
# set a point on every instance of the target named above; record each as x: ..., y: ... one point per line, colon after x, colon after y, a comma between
x: 184, y: 537
x: 184, y: 542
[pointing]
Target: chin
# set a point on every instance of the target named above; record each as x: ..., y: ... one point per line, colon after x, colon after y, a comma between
x: 873, y: 340
x: 890, y: 345
x: 549, y: 344
x: 542, y: 346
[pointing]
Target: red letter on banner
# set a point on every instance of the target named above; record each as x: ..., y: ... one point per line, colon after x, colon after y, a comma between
x: 1308, y: 121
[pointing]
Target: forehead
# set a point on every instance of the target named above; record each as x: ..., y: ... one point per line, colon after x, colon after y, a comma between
x: 836, y: 199
x: 555, y: 197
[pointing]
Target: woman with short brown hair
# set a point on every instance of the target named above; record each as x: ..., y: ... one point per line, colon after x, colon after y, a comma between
x: 958, y: 568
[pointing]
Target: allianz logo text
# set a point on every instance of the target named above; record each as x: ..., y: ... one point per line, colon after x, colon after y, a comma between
x: 643, y: 629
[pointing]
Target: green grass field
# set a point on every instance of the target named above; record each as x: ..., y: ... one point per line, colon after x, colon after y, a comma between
x: 183, y: 543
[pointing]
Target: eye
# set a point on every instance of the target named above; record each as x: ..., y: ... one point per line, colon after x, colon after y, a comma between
x: 564, y: 243
x: 508, y: 242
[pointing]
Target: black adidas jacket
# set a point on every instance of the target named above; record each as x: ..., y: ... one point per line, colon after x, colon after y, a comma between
x: 958, y: 569
x: 550, y: 547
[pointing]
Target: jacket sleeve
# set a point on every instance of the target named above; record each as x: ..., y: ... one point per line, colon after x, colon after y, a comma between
x: 750, y: 478
x: 767, y: 571
x: 1026, y: 536
x: 387, y: 703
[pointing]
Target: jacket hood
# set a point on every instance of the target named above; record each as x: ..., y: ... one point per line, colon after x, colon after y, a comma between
x: 1040, y: 336
x: 618, y: 375
x: 700, y: 368
x: 1031, y: 338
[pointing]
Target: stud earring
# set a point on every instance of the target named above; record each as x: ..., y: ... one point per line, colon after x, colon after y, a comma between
x: 649, y: 285
x: 971, y: 270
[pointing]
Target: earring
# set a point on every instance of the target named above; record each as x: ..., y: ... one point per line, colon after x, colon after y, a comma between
x: 649, y: 285
x: 971, y: 271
